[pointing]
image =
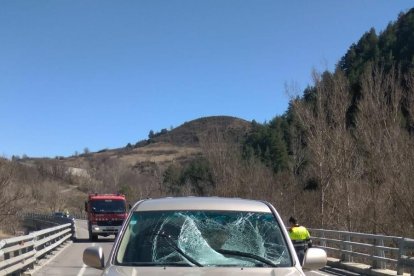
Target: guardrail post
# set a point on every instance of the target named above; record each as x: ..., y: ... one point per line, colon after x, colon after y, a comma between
x: 35, y: 248
x: 345, y: 256
x: 378, y: 252
x: 6, y: 256
x: 28, y: 249
x: 348, y: 247
x: 73, y: 229
x: 401, y: 252
x: 381, y: 253
x: 323, y: 242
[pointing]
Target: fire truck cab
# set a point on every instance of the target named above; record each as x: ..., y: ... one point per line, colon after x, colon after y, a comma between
x: 106, y: 213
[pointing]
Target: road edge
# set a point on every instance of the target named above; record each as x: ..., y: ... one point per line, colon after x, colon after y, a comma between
x: 44, y: 261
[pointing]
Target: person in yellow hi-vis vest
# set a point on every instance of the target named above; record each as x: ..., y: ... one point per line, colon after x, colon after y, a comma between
x: 300, y: 237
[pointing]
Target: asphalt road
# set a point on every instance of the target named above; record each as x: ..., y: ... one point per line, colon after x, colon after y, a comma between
x: 68, y: 260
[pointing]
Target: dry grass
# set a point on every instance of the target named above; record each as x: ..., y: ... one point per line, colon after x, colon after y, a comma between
x: 4, y: 235
x: 159, y: 153
x: 137, y: 170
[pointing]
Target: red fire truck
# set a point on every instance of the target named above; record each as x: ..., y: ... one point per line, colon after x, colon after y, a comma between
x: 106, y: 213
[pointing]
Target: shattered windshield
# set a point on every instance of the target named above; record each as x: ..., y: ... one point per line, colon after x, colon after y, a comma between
x: 203, y: 238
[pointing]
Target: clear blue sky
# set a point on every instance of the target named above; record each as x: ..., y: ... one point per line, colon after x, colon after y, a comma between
x: 100, y: 74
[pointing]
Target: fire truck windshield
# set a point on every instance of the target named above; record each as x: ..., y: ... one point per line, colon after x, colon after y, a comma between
x: 108, y: 206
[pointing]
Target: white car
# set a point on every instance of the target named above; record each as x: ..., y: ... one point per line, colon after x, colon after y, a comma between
x: 203, y: 236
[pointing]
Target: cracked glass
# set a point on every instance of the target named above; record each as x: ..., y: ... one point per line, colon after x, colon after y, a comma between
x: 203, y: 239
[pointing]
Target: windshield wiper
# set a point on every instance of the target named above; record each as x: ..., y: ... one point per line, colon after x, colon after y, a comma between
x: 247, y: 255
x: 171, y: 243
x: 155, y: 264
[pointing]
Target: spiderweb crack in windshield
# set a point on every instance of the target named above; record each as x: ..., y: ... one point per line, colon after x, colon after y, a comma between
x: 200, y: 236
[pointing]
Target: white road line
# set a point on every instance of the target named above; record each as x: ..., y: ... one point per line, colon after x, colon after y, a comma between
x: 82, y: 270
x: 80, y: 273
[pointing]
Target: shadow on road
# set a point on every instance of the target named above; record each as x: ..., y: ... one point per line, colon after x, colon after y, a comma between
x: 338, y: 272
x: 80, y: 240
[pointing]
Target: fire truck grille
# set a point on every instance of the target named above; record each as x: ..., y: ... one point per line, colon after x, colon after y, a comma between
x: 110, y: 223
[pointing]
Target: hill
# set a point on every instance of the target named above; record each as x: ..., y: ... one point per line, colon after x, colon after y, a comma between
x: 180, y: 143
x: 47, y: 185
x: 190, y: 133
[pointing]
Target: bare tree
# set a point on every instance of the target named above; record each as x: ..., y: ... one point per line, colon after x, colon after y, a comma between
x: 363, y: 172
x: 10, y: 192
x: 234, y: 175
x: 387, y: 147
x: 53, y: 196
x: 109, y: 172
x: 331, y: 148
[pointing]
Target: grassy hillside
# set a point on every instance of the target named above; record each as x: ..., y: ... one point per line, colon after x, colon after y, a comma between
x: 190, y: 133
x: 178, y: 144
x: 46, y: 185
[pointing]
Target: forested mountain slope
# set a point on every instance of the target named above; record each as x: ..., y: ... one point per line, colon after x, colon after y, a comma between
x: 346, y: 144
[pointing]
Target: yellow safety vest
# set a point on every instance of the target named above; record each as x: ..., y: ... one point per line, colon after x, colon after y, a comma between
x: 299, y: 233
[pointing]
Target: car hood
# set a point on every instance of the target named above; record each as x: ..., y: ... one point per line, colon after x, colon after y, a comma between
x: 207, y: 271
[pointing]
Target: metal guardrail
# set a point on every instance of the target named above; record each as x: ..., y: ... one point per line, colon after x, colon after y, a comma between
x: 36, y: 221
x: 381, y: 252
x: 21, y: 253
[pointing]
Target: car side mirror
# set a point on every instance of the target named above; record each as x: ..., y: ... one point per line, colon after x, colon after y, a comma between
x: 94, y: 257
x: 315, y: 258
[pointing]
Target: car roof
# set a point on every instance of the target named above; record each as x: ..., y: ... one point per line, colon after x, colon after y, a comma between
x: 202, y: 203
